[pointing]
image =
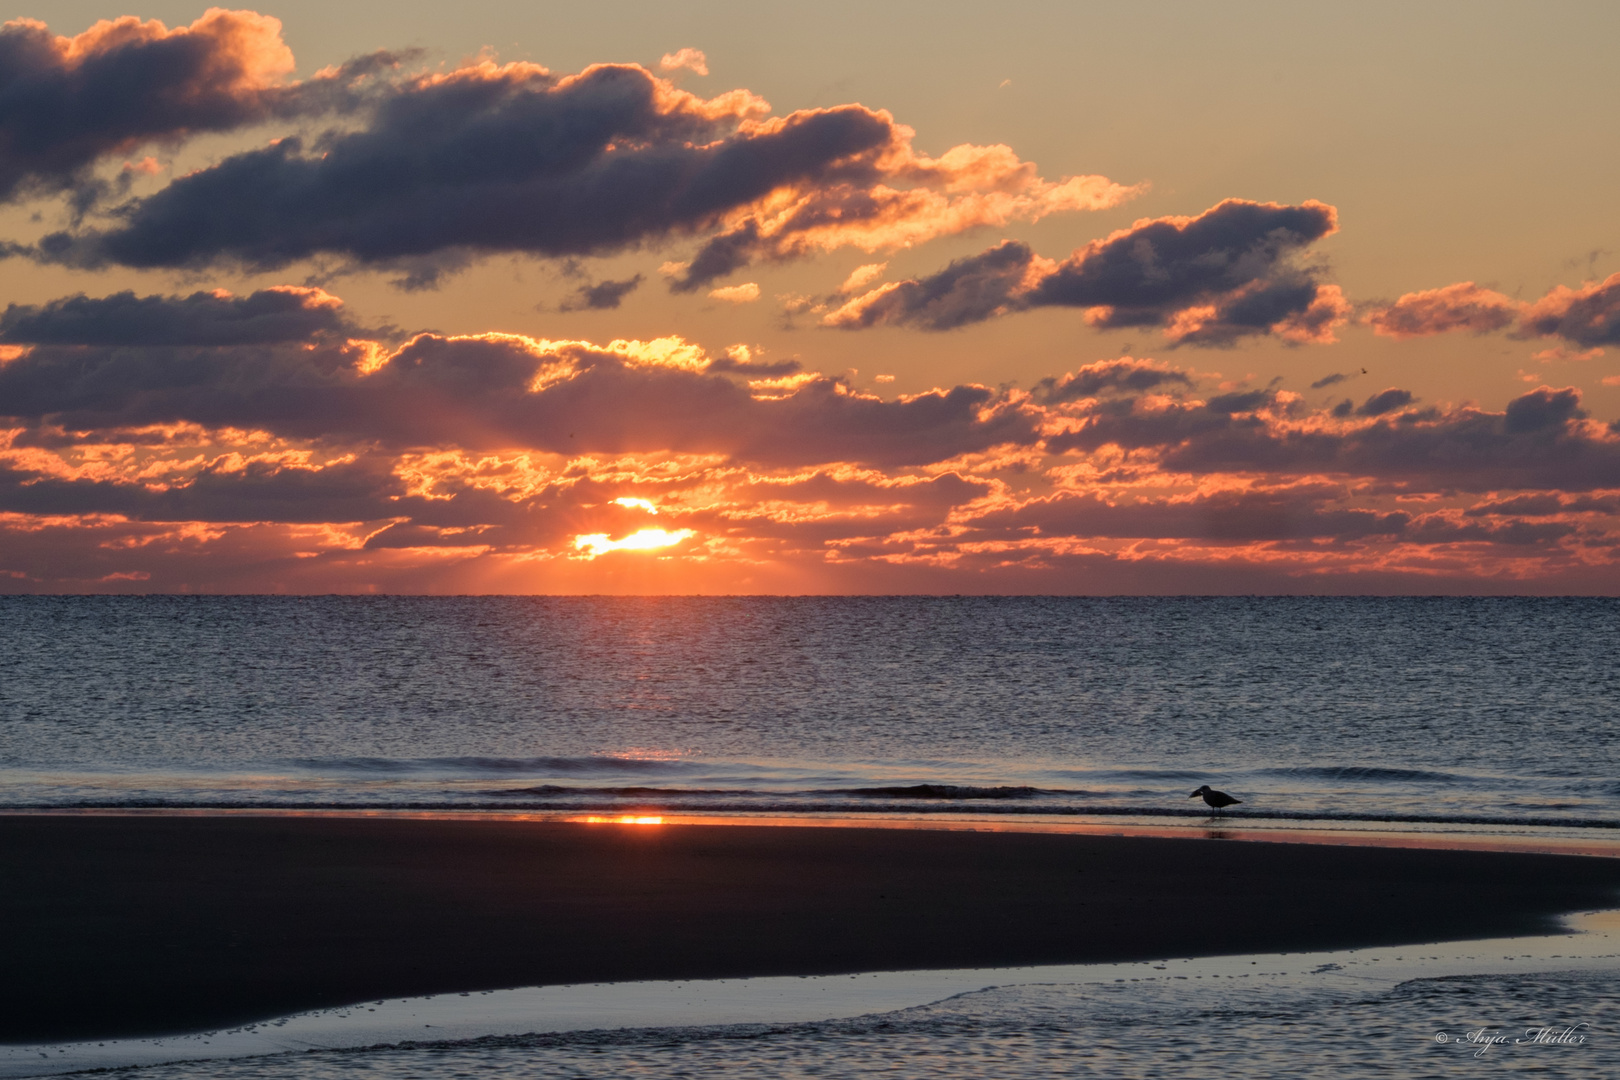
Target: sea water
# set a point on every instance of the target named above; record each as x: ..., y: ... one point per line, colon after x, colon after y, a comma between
x: 1487, y: 717
x: 1061, y: 1031
x: 1428, y: 711
x: 1540, y: 1005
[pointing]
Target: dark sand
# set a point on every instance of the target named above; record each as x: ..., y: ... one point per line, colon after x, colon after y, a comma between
x: 143, y: 925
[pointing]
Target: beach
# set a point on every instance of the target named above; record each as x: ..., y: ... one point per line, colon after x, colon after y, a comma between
x: 127, y: 925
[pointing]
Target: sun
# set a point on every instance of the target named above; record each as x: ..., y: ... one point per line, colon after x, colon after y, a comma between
x: 594, y: 544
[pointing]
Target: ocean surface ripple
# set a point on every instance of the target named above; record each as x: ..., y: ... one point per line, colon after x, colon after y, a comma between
x: 1431, y: 711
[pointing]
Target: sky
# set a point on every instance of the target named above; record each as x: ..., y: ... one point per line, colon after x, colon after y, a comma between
x: 637, y: 297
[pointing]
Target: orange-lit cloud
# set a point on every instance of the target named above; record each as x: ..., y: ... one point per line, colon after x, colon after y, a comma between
x: 1464, y: 306
x: 489, y: 391
x: 736, y: 294
x: 904, y: 199
x: 1588, y: 317
x: 502, y: 461
x: 691, y: 59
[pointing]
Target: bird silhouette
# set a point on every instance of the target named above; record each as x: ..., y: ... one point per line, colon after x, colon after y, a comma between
x: 1215, y: 800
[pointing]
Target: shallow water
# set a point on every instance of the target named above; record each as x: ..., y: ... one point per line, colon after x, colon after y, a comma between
x: 1541, y: 1004
x: 1045, y: 1031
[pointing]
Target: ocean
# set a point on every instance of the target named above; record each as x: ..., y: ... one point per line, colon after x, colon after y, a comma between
x: 1426, y: 712
x: 1477, y: 718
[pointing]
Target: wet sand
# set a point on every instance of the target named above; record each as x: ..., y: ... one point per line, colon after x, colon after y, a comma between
x: 131, y: 925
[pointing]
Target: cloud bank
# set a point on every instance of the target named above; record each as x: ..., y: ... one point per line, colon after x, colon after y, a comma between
x: 238, y: 431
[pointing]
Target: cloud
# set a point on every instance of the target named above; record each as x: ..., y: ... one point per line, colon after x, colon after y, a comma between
x: 512, y: 158
x: 1541, y: 440
x: 1560, y: 354
x: 281, y: 314
x: 68, y: 102
x: 1330, y: 380
x: 494, y: 391
x: 897, y: 198
x: 1588, y: 316
x: 1464, y: 306
x: 269, y: 433
x: 1229, y: 273
x: 741, y: 361
x: 862, y: 276
x: 1545, y: 504
x: 1385, y: 401
x: 603, y: 296
x: 736, y: 294
x: 969, y: 290
x: 1225, y: 516
x: 691, y: 59
x: 1124, y: 374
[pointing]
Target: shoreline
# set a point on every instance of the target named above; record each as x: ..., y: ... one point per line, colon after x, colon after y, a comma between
x: 141, y: 924
x: 877, y: 811
x: 1506, y: 837
x: 556, y: 1014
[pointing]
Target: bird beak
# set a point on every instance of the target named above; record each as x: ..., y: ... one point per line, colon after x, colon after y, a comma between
x: 1195, y: 795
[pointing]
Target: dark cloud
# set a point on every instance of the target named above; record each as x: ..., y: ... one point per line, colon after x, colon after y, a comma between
x: 1277, y: 516
x: 1538, y: 442
x: 720, y: 256
x: 1143, y: 273
x: 1385, y: 401
x: 491, y: 159
x: 280, y: 314
x: 969, y: 290
x: 1240, y: 401
x: 748, y: 365
x: 1588, y: 316
x: 497, y: 391
x: 1543, y: 409
x: 1329, y: 380
x: 1126, y: 374
x: 1231, y: 272
x: 1514, y: 533
x: 408, y: 535
x: 251, y: 491
x: 602, y: 296
x: 1224, y: 516
x: 66, y: 103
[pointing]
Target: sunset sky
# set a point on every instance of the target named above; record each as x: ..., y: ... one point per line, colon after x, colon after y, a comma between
x: 835, y: 298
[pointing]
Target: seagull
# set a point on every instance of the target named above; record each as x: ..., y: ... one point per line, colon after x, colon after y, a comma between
x: 1216, y: 800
